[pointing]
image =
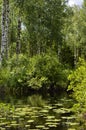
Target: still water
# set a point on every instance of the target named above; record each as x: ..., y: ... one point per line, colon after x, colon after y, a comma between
x: 37, y: 112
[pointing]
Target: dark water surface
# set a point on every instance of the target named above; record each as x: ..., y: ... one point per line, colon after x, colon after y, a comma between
x: 37, y: 112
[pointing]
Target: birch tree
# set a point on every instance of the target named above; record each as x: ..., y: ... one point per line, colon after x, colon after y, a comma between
x: 18, y: 46
x: 4, y: 29
x: 72, y: 31
x: 19, y: 14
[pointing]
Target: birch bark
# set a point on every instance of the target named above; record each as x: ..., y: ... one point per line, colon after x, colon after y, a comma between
x: 4, y: 29
x: 18, y: 46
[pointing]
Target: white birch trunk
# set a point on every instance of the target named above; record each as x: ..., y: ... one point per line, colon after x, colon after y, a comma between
x: 75, y: 56
x: 7, y: 27
x: 4, y: 29
x: 3, y: 39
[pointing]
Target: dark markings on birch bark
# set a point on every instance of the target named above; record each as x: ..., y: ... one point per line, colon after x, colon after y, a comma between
x: 18, y: 45
x: 7, y: 27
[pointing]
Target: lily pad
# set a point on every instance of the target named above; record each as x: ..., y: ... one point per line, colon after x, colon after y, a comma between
x: 30, y: 121
x: 40, y: 126
x: 50, y: 117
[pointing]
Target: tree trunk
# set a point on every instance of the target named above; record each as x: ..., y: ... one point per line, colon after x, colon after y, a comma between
x: 4, y: 29
x: 76, y: 56
x: 7, y: 27
x: 59, y: 51
x: 18, y: 45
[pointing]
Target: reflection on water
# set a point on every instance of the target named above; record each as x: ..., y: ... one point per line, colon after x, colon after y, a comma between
x: 38, y: 113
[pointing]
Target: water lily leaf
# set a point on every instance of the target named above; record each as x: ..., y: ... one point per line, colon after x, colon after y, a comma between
x: 30, y: 121
x: 50, y: 117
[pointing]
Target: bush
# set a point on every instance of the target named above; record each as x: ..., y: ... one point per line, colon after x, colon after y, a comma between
x: 34, y: 72
x: 45, y: 70
x: 14, y: 73
x: 4, y: 76
x: 78, y: 84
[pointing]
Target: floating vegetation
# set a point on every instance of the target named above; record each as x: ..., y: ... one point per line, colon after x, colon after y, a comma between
x: 2, y: 128
x: 72, y: 123
x: 64, y: 117
x: 46, y: 128
x: 40, y: 116
x: 51, y: 123
x: 14, y: 125
x: 61, y: 110
x: 30, y: 121
x: 40, y: 126
x: 27, y: 126
x: 59, y: 104
x: 34, y: 129
x: 44, y: 111
x: 3, y: 124
x: 68, y: 118
x: 8, y: 126
x: 48, y: 107
x: 71, y: 129
x: 53, y: 120
x: 50, y: 117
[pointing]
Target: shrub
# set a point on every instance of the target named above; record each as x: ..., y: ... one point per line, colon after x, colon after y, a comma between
x: 4, y: 76
x: 14, y: 73
x: 78, y: 84
x: 34, y: 72
x: 45, y: 70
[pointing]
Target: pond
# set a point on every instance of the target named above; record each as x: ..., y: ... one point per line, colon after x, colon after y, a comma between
x: 37, y: 112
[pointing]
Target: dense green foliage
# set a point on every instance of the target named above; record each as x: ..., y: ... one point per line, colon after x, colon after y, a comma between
x: 78, y: 85
x: 35, y: 72
x: 33, y: 58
